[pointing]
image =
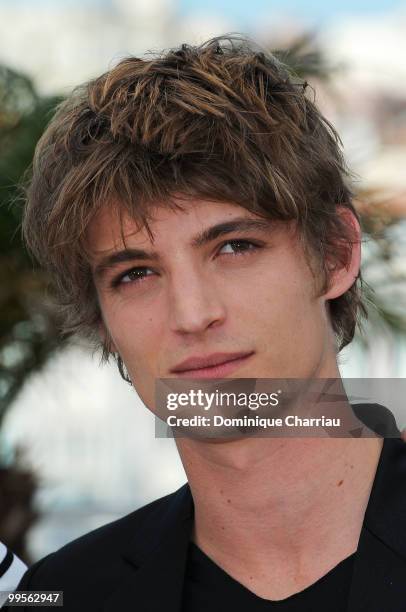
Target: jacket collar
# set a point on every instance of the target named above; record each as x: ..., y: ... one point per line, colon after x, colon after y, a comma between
x: 154, y: 564
x: 379, y: 579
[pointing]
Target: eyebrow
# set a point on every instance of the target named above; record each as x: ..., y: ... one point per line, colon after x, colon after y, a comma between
x: 241, y: 224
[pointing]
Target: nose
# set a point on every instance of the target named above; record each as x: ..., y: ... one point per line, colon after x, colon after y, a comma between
x: 195, y: 303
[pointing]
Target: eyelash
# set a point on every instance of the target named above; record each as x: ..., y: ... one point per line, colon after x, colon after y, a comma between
x: 251, y: 247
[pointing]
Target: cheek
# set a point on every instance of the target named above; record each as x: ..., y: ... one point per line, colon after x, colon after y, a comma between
x: 278, y: 294
x: 135, y: 332
x: 282, y: 314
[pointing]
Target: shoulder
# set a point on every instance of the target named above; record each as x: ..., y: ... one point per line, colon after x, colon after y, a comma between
x: 386, y: 511
x: 378, y: 418
x: 95, y: 557
x: 11, y: 569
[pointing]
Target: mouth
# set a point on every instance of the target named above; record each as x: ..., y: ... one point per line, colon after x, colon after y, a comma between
x: 217, y: 365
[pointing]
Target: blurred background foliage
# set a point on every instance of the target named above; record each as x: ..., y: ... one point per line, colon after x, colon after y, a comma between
x: 28, y: 330
x: 28, y: 326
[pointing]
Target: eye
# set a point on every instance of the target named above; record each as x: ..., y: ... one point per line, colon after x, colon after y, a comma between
x: 135, y: 275
x: 236, y: 247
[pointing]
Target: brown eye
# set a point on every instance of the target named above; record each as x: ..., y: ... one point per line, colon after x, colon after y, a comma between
x: 134, y: 275
x: 234, y: 247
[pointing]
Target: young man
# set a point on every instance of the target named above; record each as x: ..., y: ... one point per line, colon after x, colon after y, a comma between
x: 194, y: 212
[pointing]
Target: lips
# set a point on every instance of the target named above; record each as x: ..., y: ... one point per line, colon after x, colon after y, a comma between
x: 210, y: 366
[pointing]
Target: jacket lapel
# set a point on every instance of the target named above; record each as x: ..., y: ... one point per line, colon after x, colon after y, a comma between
x: 379, y: 579
x: 154, y: 564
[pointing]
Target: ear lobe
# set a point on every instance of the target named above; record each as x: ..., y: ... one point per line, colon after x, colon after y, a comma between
x: 342, y: 277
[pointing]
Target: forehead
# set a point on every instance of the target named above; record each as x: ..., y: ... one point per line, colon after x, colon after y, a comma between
x: 112, y: 227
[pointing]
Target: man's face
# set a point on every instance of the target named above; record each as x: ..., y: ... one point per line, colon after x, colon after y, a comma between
x: 217, y: 285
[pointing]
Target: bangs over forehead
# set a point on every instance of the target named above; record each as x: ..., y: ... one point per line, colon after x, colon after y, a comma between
x: 199, y: 122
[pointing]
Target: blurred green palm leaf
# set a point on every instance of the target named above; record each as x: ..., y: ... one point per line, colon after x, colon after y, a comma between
x: 28, y: 330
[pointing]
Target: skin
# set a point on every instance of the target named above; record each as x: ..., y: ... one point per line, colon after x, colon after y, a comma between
x: 256, y: 296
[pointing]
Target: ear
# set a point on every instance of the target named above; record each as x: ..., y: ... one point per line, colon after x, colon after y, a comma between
x: 342, y: 277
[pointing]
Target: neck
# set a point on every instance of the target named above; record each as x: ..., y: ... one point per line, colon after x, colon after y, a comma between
x: 292, y: 504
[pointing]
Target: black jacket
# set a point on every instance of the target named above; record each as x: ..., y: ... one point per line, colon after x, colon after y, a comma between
x: 137, y: 563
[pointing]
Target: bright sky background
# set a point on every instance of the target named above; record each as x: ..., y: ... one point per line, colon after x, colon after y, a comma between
x: 244, y: 11
x: 308, y: 10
